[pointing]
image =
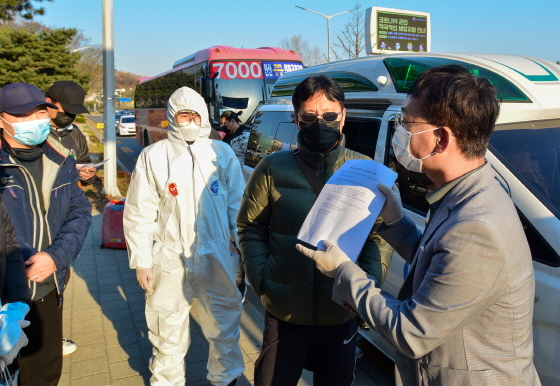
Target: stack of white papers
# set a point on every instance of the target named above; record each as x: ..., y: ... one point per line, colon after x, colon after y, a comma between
x: 348, y: 206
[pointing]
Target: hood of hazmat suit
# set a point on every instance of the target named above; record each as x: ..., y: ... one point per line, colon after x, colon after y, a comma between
x: 180, y: 212
x: 186, y: 99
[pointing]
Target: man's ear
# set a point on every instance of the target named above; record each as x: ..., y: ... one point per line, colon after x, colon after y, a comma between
x: 445, y: 139
x: 48, y: 99
x: 343, y: 119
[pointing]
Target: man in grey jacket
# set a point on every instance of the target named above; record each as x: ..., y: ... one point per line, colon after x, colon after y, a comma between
x: 464, y: 313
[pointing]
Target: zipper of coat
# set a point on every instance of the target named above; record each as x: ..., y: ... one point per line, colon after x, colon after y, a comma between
x: 194, y: 198
x: 58, y: 291
x: 36, y: 218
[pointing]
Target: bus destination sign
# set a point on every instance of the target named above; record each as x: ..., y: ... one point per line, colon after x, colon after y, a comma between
x: 253, y: 69
x: 274, y: 70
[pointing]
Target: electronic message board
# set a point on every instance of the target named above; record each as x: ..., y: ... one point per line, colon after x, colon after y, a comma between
x: 396, y: 30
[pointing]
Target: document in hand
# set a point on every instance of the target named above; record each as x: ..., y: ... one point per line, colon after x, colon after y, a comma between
x: 348, y: 206
x: 93, y: 165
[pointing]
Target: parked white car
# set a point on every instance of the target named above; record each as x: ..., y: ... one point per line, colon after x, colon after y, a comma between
x: 524, y: 150
x: 126, y: 125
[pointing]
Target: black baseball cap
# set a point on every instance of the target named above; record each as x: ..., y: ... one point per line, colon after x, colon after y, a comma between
x: 19, y: 98
x: 70, y: 95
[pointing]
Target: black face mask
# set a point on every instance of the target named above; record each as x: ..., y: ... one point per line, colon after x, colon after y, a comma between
x: 320, y: 136
x: 63, y: 119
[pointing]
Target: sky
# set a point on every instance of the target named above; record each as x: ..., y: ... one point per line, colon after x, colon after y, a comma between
x: 150, y: 35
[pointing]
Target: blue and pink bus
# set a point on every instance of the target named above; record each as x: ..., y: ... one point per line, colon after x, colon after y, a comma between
x: 228, y: 78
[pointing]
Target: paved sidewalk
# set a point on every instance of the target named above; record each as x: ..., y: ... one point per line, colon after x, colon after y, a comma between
x: 104, y: 315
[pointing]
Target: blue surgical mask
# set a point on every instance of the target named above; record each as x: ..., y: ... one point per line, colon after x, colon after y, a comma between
x: 30, y: 133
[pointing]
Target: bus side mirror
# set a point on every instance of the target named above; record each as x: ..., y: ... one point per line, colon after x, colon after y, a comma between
x: 206, y: 88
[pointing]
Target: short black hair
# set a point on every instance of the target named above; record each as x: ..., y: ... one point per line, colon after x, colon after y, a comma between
x: 229, y: 115
x: 451, y: 96
x: 313, y: 85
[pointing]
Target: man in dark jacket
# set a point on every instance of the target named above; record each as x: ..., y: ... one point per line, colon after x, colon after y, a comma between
x: 51, y: 216
x: 14, y: 292
x: 68, y: 97
x: 304, y: 328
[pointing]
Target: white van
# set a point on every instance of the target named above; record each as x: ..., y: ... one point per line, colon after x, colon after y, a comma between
x: 524, y: 150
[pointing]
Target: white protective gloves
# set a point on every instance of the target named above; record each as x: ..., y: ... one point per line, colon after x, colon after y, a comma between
x: 327, y: 261
x: 12, y: 337
x: 392, y: 210
x: 144, y: 276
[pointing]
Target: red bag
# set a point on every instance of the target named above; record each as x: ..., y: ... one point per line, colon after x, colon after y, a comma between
x: 112, y: 233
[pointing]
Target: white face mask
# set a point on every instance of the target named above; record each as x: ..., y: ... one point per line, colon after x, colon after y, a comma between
x: 189, y: 130
x: 401, y: 147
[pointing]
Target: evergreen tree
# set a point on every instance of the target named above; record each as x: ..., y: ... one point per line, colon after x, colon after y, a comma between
x: 23, y: 8
x: 38, y: 57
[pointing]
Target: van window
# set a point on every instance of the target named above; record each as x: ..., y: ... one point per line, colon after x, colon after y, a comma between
x: 361, y: 136
x: 531, y: 151
x: 348, y: 81
x: 413, y: 186
x: 264, y: 138
x: 541, y: 250
x: 404, y: 72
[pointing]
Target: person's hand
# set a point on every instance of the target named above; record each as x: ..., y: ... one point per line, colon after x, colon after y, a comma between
x: 21, y: 342
x: 392, y: 210
x: 327, y: 261
x: 12, y: 337
x: 40, y: 266
x: 144, y: 277
x: 86, y: 172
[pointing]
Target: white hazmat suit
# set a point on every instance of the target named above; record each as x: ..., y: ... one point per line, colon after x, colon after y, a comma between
x: 181, y: 205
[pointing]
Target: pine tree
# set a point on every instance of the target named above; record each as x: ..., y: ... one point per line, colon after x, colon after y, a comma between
x: 23, y: 8
x: 38, y: 57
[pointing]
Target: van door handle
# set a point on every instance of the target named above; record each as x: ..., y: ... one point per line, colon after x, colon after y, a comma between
x: 536, y: 298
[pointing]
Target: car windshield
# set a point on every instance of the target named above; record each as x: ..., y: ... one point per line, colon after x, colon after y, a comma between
x: 272, y: 131
x: 127, y: 120
x: 531, y: 150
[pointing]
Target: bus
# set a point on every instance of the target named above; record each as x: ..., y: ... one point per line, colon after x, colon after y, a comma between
x: 228, y: 78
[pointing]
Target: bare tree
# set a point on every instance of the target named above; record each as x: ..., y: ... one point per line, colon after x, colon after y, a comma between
x: 310, y: 56
x: 354, y: 36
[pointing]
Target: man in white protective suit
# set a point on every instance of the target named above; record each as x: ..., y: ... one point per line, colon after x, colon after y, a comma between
x: 181, y: 206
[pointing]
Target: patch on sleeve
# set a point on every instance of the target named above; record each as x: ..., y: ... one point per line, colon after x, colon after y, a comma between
x: 214, y: 187
x: 173, y: 189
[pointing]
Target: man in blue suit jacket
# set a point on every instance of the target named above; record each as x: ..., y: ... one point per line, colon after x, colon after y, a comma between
x: 464, y: 313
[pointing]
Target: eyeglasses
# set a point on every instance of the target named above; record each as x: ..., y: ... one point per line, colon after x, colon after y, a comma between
x: 401, y: 121
x: 190, y: 116
x: 311, y: 117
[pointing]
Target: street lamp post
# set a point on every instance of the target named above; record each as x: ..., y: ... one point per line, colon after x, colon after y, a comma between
x: 110, y: 146
x: 328, y: 27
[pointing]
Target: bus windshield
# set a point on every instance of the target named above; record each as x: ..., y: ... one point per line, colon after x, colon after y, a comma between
x: 239, y: 94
